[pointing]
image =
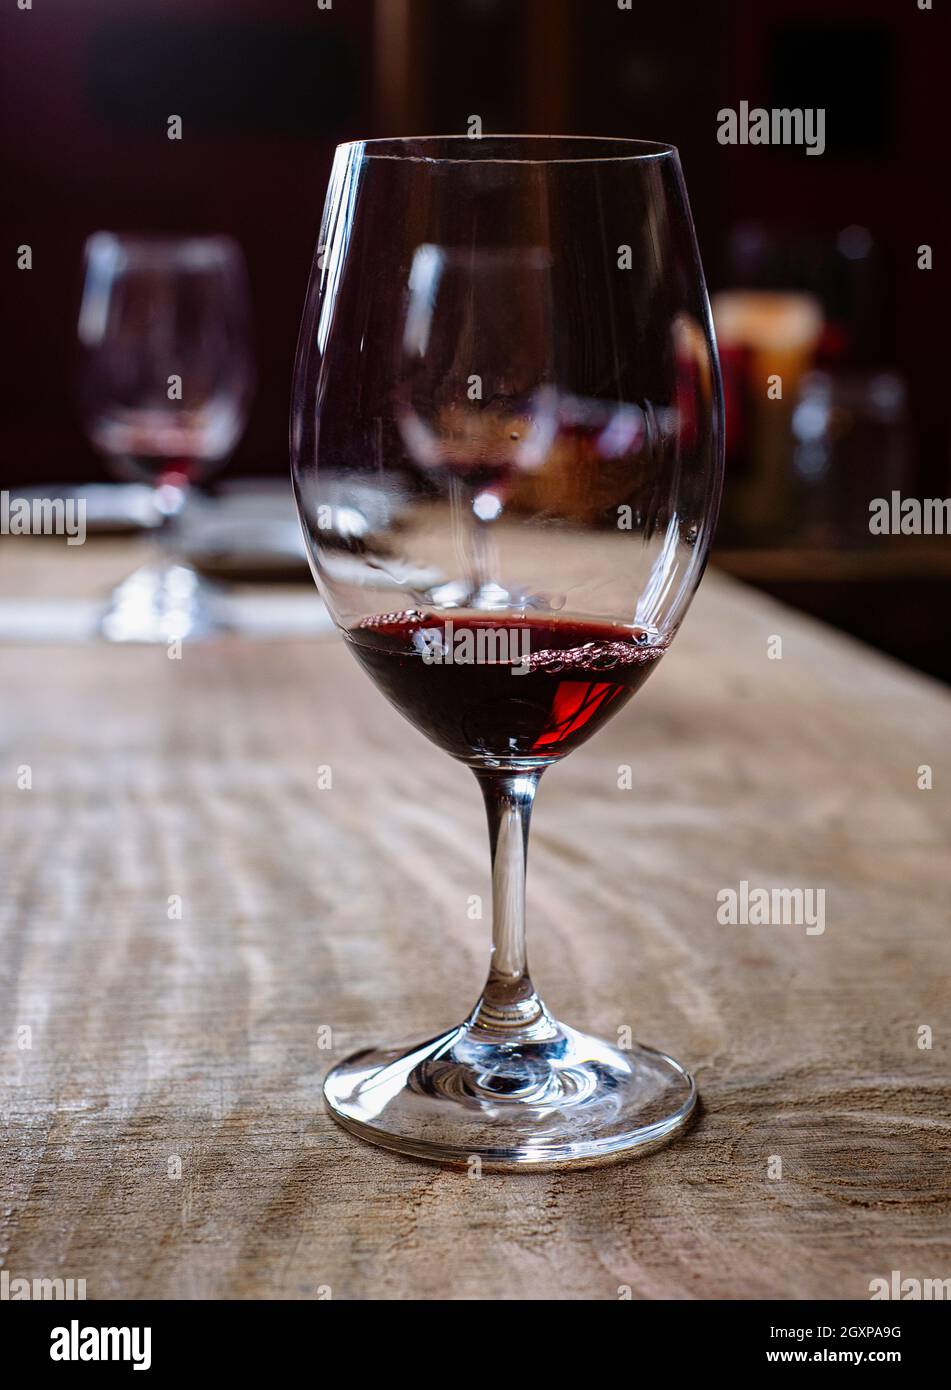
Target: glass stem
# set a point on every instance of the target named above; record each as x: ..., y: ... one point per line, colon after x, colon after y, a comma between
x: 509, y: 1010
x: 170, y: 495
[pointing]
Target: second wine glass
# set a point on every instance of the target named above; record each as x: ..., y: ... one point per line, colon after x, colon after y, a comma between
x: 165, y: 379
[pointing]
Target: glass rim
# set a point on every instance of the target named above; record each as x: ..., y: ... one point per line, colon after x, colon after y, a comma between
x: 411, y: 148
x: 189, y: 249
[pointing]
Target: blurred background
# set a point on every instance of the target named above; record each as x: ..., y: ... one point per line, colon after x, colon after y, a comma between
x: 812, y: 262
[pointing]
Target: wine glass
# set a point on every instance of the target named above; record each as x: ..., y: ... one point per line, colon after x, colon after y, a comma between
x: 508, y: 340
x: 165, y: 380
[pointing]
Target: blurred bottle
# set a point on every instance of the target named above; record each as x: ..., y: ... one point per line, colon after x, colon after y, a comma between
x: 795, y: 303
x: 851, y: 444
x: 768, y: 341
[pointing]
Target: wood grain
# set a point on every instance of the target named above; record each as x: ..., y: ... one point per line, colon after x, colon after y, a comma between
x: 155, y: 1038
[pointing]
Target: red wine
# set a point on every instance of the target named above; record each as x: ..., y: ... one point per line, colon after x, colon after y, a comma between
x: 504, y: 691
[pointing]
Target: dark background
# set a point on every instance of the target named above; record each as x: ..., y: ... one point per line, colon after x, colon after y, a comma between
x: 266, y: 88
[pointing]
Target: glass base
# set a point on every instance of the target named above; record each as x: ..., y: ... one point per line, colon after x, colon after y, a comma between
x: 163, y: 603
x: 565, y: 1100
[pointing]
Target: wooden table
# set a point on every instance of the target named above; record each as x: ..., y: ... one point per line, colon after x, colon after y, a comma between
x: 163, y: 1134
